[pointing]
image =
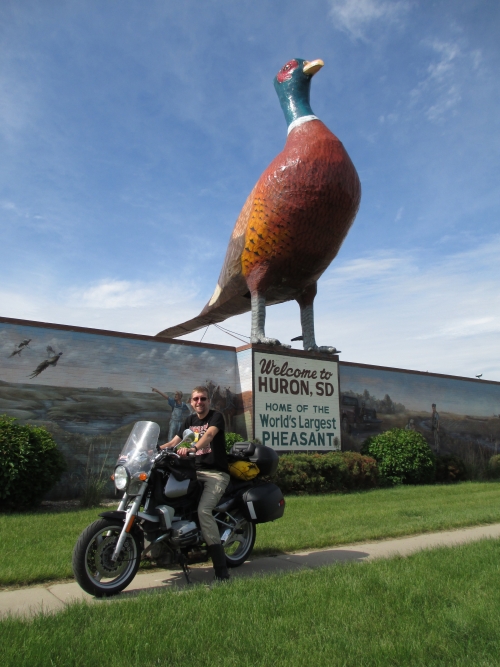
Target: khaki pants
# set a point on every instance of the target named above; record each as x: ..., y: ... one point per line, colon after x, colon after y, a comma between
x: 214, y: 485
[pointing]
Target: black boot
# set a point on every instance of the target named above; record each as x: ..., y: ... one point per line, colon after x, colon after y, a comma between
x: 218, y: 557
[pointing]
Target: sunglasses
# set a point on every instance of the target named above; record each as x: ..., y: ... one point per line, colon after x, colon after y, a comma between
x: 199, y: 398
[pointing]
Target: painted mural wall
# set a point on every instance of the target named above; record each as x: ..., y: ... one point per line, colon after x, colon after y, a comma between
x: 87, y: 388
x: 465, y: 421
x: 244, y: 371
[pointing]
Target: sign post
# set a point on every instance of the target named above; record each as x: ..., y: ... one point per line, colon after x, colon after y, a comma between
x: 296, y: 402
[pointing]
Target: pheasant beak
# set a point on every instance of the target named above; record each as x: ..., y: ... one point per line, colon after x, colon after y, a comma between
x: 312, y: 66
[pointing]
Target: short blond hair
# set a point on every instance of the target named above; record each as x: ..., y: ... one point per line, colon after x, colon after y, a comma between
x: 200, y: 390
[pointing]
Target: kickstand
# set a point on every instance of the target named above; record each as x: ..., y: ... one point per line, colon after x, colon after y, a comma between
x: 185, y: 567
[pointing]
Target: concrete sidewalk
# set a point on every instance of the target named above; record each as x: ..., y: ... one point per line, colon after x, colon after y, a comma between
x: 53, y: 598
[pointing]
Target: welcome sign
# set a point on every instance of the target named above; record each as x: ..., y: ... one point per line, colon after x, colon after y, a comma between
x: 296, y: 402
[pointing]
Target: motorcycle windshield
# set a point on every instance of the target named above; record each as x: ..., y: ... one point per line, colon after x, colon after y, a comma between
x: 140, y: 449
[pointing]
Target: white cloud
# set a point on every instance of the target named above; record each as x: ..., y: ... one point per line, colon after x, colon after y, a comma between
x: 439, y: 91
x: 461, y: 328
x: 128, y: 306
x: 110, y: 294
x: 360, y: 269
x: 17, y: 105
x: 356, y: 17
x: 13, y: 208
x: 406, y: 311
x: 402, y: 310
x: 439, y: 313
x: 115, y: 294
x: 449, y: 52
x: 448, y: 101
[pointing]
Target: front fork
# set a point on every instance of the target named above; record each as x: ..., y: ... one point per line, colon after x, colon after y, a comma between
x: 129, y: 519
x: 123, y: 502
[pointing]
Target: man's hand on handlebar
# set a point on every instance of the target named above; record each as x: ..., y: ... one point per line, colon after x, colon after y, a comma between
x: 184, y: 451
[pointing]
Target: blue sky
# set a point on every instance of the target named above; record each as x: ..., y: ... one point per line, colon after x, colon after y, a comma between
x: 132, y: 132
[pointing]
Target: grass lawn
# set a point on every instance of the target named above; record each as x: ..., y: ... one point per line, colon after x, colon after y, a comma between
x: 432, y: 609
x: 321, y: 521
x: 38, y: 547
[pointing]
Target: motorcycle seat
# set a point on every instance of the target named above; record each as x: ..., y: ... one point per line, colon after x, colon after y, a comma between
x: 242, y: 449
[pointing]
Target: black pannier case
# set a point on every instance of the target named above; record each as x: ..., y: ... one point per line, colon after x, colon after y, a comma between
x: 264, y: 503
x: 265, y: 458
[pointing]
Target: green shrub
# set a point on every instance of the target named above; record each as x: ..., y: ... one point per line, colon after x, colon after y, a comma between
x: 403, y: 457
x: 96, y: 477
x: 231, y: 438
x: 325, y: 473
x: 30, y: 464
x: 450, y: 469
x: 493, y: 469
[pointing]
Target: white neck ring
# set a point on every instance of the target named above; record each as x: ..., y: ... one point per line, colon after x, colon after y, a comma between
x: 300, y: 121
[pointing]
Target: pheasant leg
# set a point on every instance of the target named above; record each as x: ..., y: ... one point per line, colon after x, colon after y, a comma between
x: 305, y: 302
x: 258, y: 335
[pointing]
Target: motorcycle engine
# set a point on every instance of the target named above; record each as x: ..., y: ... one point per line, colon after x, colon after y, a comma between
x: 185, y: 533
x: 162, y: 554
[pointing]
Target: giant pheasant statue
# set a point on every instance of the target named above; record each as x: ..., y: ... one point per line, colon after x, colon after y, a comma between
x: 292, y: 224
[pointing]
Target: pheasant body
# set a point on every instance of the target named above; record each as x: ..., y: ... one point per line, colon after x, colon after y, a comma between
x: 292, y: 224
x: 304, y: 205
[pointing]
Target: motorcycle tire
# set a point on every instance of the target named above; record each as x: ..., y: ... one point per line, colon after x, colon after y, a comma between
x: 240, y: 543
x: 93, y: 568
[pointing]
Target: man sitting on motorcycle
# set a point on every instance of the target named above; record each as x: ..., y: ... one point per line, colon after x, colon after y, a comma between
x: 211, y: 469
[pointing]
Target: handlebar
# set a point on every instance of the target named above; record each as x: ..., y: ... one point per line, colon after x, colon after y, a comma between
x: 169, y: 452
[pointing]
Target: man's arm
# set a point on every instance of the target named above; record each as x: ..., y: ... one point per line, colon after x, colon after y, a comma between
x: 207, y: 437
x: 202, y: 443
x: 159, y: 392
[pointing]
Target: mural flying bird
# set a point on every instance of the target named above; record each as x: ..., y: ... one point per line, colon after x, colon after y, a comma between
x: 292, y: 224
x: 24, y: 343
x: 52, y: 360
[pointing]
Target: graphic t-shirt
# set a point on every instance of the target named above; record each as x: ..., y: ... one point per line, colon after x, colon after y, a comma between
x: 214, y: 456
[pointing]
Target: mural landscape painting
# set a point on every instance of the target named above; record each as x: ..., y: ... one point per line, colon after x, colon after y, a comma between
x: 89, y: 387
x: 468, y: 409
x: 101, y: 384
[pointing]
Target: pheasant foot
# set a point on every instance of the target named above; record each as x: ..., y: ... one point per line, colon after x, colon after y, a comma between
x: 323, y: 348
x: 264, y: 340
x: 258, y: 322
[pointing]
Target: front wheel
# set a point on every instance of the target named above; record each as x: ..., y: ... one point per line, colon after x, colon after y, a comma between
x: 94, y: 570
x: 238, y: 540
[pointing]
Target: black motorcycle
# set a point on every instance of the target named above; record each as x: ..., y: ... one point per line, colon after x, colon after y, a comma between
x: 157, y: 517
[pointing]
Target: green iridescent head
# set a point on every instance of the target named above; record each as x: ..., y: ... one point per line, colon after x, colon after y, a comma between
x: 293, y: 85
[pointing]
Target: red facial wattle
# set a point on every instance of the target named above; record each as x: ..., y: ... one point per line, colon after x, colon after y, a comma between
x: 285, y: 73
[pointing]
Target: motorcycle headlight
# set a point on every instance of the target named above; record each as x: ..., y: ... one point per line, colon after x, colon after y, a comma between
x: 122, y: 478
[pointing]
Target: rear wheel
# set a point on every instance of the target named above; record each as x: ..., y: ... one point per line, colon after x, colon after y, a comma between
x: 237, y: 539
x: 94, y: 570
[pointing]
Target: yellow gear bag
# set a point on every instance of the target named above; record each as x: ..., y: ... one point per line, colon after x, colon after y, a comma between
x: 243, y: 470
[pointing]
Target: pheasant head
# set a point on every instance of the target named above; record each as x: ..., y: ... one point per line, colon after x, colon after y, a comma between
x: 293, y: 85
